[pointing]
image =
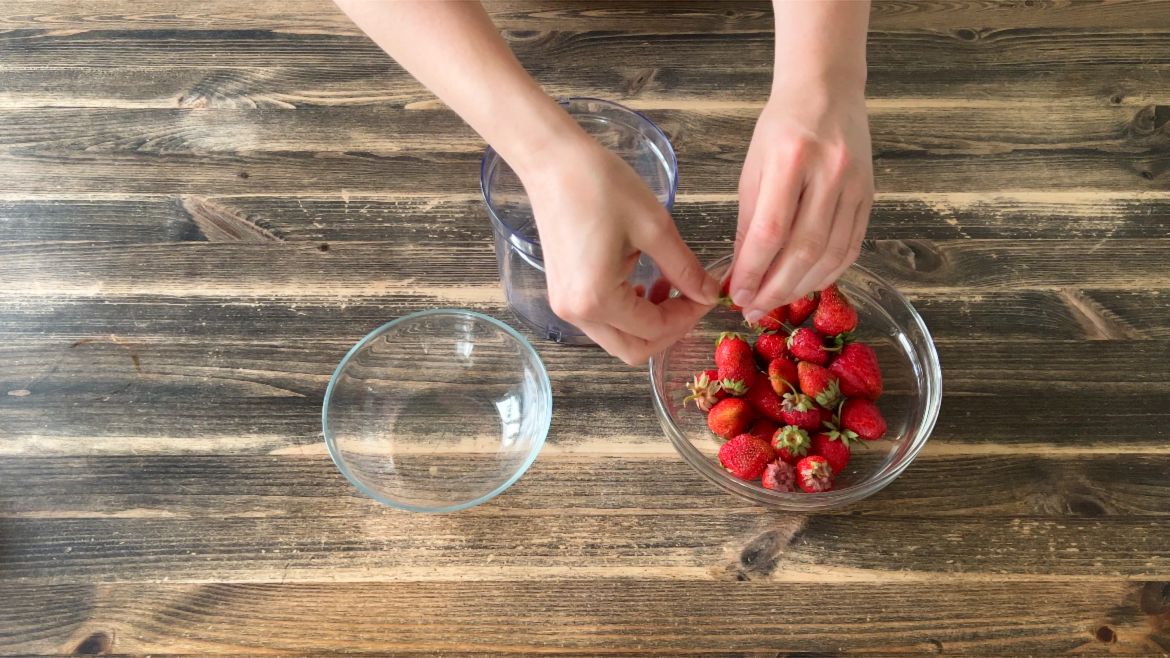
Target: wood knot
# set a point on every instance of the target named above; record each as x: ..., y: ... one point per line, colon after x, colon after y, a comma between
x: 967, y: 34
x: 1084, y: 506
x: 1106, y: 635
x: 916, y: 255
x: 642, y: 78
x: 97, y: 643
x: 1155, y: 598
x: 1151, y: 118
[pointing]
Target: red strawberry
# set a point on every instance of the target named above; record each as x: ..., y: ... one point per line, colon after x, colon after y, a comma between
x: 819, y: 383
x: 730, y: 417
x: 800, y: 410
x: 659, y: 292
x: 857, y: 369
x: 863, y: 418
x: 705, y: 390
x: 764, y: 400
x: 725, y: 297
x: 807, y: 345
x: 736, y: 362
x: 783, y: 376
x: 834, y: 450
x: 779, y: 476
x: 763, y: 429
x: 814, y: 474
x: 801, y: 309
x: 745, y: 456
x: 835, y: 315
x: 771, y: 346
x: 791, y: 443
x: 773, y: 321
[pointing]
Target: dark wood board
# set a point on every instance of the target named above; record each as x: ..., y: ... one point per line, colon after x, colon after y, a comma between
x: 204, y: 205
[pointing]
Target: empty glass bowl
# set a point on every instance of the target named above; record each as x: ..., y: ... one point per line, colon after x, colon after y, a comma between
x: 910, y: 403
x: 437, y: 411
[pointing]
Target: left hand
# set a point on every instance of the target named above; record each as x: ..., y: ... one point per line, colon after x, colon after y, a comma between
x: 804, y: 196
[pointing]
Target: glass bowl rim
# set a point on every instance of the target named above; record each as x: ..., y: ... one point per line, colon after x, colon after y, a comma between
x: 564, y: 102
x: 334, y: 452
x: 799, y: 501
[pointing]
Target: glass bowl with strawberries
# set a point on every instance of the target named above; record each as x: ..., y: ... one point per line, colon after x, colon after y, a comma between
x: 822, y: 404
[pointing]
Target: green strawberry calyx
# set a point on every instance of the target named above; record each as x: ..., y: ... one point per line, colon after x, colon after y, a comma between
x: 793, y: 439
x: 830, y: 395
x: 734, y: 386
x: 728, y: 335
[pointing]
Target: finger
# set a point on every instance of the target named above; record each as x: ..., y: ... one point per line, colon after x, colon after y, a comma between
x: 770, y: 223
x: 860, y: 222
x: 810, y: 234
x: 640, y: 317
x: 749, y: 191
x: 630, y: 349
x: 677, y: 262
x: 837, y: 247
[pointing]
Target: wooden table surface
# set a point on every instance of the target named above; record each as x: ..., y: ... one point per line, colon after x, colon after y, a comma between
x: 203, y: 205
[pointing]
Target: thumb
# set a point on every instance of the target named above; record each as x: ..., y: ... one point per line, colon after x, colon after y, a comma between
x: 679, y: 264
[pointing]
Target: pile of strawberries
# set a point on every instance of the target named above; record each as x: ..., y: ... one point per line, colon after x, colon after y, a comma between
x: 793, y: 408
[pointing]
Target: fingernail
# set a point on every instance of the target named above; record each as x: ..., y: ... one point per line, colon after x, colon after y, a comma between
x: 710, y: 291
x: 753, y: 316
x: 741, y: 297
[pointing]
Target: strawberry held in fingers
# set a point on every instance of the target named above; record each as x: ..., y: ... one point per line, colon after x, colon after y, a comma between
x: 745, y: 456
x: 779, y: 476
x: 835, y: 314
x: 791, y: 443
x: 763, y: 429
x: 725, y: 297
x: 857, y: 369
x: 863, y: 418
x: 801, y: 309
x: 771, y: 346
x: 783, y: 376
x: 730, y: 417
x: 764, y: 400
x: 819, y: 383
x: 834, y: 449
x: 807, y: 345
x: 814, y: 474
x: 705, y: 390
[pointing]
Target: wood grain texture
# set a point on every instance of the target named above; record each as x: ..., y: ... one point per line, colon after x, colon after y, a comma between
x: 205, y: 205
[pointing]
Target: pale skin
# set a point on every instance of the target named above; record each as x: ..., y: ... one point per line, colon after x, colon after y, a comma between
x: 804, y: 193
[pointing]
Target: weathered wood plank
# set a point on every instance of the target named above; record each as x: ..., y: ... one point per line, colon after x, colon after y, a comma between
x: 461, y: 219
x: 467, y: 273
x: 982, y: 618
x: 151, y: 395
x: 384, y: 149
x: 1051, y: 486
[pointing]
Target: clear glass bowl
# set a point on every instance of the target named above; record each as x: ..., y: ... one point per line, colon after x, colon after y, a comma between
x: 635, y: 139
x: 912, y: 382
x: 437, y: 411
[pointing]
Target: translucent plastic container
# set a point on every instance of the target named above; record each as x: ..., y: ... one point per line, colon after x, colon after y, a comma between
x: 629, y: 134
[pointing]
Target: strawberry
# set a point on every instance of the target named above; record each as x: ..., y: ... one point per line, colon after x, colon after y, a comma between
x: 765, y: 401
x: 730, y: 417
x: 745, y: 456
x: 801, y: 309
x: 771, y: 346
x: 725, y: 297
x: 814, y: 474
x: 834, y: 449
x: 783, y: 376
x: 773, y: 321
x: 857, y: 368
x: 791, y: 443
x: 763, y: 429
x: 779, y: 476
x: 807, y: 345
x: 863, y: 418
x: 705, y: 390
x: 736, y: 362
x: 819, y: 383
x: 659, y: 292
x: 835, y: 314
x: 800, y: 410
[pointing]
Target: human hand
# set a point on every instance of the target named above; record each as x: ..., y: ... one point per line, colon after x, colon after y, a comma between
x: 595, y: 217
x: 804, y: 195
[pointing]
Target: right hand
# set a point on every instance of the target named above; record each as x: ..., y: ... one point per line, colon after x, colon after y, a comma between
x: 595, y: 216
